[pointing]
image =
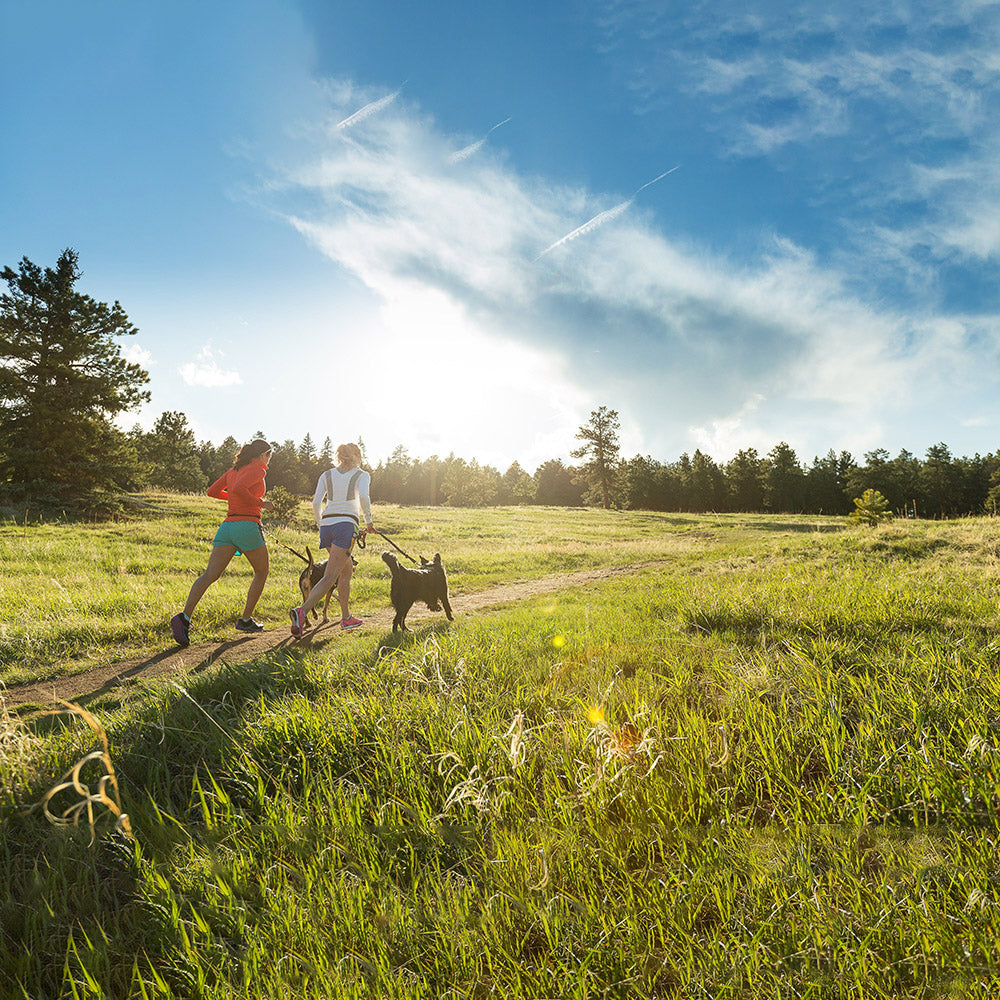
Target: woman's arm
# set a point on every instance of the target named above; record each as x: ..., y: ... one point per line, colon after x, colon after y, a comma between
x: 318, y: 498
x: 364, y: 485
x: 219, y: 490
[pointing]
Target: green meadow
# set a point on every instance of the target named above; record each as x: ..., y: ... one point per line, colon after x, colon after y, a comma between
x: 763, y: 763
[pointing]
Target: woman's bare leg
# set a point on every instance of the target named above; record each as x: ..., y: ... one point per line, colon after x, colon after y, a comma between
x: 260, y: 562
x: 217, y: 562
x: 334, y: 566
x: 344, y: 588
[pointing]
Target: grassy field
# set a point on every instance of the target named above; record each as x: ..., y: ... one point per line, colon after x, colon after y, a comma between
x: 766, y: 765
x: 79, y: 595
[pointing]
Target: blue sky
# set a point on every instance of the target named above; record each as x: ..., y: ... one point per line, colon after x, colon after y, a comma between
x: 428, y: 224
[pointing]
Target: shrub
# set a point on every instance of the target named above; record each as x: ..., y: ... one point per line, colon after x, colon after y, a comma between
x: 284, y: 505
x: 871, y: 508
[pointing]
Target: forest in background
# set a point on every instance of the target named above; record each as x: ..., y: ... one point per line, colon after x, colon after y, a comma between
x: 65, y: 386
x: 937, y: 485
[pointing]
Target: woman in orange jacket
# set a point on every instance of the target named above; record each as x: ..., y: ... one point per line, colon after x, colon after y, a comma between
x: 242, y: 487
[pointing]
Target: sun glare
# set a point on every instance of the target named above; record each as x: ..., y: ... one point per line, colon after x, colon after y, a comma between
x: 455, y: 388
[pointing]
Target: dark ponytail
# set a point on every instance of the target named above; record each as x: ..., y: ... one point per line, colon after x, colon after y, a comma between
x: 251, y: 451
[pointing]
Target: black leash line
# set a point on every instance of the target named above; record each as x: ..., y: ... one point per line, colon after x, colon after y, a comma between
x: 381, y: 534
x: 359, y: 540
x: 283, y: 545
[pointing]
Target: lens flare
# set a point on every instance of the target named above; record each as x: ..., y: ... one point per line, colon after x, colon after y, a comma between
x: 596, y: 716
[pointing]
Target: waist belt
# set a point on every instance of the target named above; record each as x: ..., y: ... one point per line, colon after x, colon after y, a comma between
x: 353, y: 517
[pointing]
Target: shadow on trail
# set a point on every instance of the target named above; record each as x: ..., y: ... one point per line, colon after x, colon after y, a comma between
x: 799, y: 527
x: 119, y: 677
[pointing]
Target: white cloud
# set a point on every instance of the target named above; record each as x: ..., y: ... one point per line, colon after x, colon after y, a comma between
x: 823, y: 64
x: 137, y: 355
x: 903, y: 97
x: 205, y: 372
x: 623, y: 316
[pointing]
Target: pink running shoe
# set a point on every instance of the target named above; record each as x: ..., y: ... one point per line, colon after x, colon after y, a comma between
x: 346, y: 623
x: 298, y: 617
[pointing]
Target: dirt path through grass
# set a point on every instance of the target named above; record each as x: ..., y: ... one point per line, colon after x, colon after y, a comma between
x: 198, y: 656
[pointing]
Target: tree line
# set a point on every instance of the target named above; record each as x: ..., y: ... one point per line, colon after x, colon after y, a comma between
x: 937, y: 485
x: 64, y: 382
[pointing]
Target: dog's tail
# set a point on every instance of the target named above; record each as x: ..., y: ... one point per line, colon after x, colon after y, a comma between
x: 391, y: 561
x: 309, y: 561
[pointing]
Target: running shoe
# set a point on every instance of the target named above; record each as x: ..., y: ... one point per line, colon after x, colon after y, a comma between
x: 248, y: 625
x: 180, y: 625
x: 298, y: 617
x: 346, y: 623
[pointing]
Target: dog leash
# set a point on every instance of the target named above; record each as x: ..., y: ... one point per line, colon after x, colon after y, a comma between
x: 375, y: 531
x: 359, y: 540
x: 283, y: 545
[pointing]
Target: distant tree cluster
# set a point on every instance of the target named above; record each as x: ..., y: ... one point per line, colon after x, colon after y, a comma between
x: 939, y: 485
x: 63, y: 381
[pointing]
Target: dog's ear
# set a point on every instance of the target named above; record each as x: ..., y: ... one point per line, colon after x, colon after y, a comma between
x: 424, y: 562
x: 437, y: 558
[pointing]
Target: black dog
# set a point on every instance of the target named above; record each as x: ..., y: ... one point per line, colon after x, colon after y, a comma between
x: 427, y: 583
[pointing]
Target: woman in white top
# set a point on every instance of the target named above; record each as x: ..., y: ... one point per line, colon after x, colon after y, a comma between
x: 340, y: 500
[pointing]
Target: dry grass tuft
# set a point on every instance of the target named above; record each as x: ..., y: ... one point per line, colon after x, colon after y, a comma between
x: 88, y: 801
x: 15, y: 745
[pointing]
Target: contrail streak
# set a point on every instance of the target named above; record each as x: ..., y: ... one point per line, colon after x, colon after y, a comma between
x: 464, y: 154
x: 368, y: 110
x: 602, y: 217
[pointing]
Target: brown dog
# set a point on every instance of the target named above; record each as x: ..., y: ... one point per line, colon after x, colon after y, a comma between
x: 311, y: 575
x: 308, y: 579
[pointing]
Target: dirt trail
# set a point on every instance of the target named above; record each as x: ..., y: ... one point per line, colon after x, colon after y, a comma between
x: 198, y: 656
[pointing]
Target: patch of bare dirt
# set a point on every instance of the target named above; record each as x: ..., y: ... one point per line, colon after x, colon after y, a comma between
x: 198, y: 656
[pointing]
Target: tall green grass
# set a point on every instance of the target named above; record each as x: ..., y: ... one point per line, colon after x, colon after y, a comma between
x: 765, y: 767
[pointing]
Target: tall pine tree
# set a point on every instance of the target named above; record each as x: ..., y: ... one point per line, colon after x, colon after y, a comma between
x: 62, y: 381
x: 600, y: 449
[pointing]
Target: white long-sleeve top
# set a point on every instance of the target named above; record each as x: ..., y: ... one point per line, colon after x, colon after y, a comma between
x: 342, y: 496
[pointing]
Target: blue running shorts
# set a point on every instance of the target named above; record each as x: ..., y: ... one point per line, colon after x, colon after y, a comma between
x: 245, y: 535
x: 340, y: 533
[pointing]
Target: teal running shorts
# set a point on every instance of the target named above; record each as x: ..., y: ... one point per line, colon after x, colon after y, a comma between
x: 245, y: 535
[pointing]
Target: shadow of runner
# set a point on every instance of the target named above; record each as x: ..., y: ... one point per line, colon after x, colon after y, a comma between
x: 44, y: 694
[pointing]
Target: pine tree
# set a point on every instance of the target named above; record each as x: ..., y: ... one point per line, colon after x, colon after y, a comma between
x: 871, y: 508
x: 783, y: 480
x: 600, y: 448
x: 170, y: 453
x: 62, y: 381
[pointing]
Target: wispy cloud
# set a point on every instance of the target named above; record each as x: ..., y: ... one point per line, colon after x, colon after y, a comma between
x: 137, y: 355
x: 372, y: 108
x: 206, y: 372
x: 602, y: 217
x: 880, y: 112
x: 466, y: 151
x: 679, y: 337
